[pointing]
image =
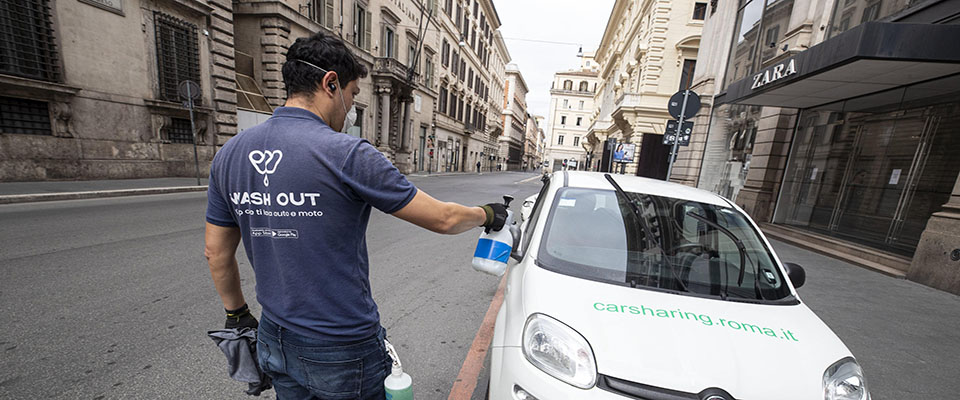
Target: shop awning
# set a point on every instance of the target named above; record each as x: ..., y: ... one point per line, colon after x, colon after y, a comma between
x: 870, y: 58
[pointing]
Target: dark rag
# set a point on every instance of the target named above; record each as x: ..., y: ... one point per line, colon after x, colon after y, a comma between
x: 240, y: 348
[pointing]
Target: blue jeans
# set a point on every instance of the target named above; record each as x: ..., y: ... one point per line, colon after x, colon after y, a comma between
x: 303, y: 367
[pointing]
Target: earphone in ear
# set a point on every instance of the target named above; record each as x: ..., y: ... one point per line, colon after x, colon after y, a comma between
x: 333, y: 87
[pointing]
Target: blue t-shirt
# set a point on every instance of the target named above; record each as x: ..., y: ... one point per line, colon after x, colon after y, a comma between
x: 301, y: 195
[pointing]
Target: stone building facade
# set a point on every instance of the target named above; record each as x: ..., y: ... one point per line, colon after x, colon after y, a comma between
x: 68, y: 111
x: 514, y: 120
x: 571, y: 106
x: 834, y: 124
x: 471, y: 67
x: 531, y: 143
x: 648, y: 52
x: 94, y: 96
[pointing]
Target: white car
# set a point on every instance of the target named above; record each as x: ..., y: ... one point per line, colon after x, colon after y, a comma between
x: 654, y: 290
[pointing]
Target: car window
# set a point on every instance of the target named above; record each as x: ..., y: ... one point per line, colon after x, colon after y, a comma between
x: 671, y: 244
x: 534, y: 214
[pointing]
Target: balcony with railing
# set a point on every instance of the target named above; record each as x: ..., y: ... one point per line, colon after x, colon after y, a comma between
x: 627, y: 100
x: 572, y: 92
x: 393, y: 68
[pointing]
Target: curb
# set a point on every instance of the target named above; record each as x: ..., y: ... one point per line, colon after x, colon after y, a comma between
x: 96, y: 194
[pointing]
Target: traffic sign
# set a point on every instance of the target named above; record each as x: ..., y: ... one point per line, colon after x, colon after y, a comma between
x: 675, y: 105
x: 671, y: 133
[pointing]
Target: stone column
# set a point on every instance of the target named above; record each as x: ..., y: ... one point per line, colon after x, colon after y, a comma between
x: 937, y: 260
x: 768, y: 161
x: 384, y: 90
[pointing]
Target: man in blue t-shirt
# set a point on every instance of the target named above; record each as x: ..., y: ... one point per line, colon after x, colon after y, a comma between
x: 298, y: 192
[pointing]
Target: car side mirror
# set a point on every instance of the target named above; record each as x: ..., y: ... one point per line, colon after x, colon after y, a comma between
x: 796, y: 274
x: 517, y: 253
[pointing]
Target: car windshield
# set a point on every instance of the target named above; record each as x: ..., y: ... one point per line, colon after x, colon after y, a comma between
x: 673, y: 245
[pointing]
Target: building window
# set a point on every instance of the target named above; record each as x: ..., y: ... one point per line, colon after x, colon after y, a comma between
x: 584, y: 86
x: 470, y: 79
x: 563, y: 120
x: 699, y: 11
x: 389, y: 47
x: 24, y: 116
x: 686, y: 75
x: 428, y: 66
x: 560, y: 140
x: 713, y: 6
x: 324, y: 13
x: 581, y: 104
x: 361, y: 27
x: 411, y: 56
x: 773, y: 36
x: 579, y: 120
x: 568, y: 85
x: 565, y: 106
x: 459, y: 17
x: 442, y: 101
x: 576, y: 139
x: 871, y: 12
x: 445, y: 53
x: 27, y: 46
x: 452, y: 107
x: 178, y: 131
x: 463, y: 67
x: 178, y: 54
x: 456, y: 64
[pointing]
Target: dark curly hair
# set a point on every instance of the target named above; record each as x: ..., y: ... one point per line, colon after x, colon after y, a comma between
x: 325, y: 51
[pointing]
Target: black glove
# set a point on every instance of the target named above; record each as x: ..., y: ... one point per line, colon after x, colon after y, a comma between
x: 240, y: 318
x: 496, y: 216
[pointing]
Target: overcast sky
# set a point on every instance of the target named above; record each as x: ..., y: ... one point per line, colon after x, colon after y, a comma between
x: 571, y: 21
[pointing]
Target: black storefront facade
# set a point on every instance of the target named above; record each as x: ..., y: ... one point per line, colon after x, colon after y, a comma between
x: 868, y: 127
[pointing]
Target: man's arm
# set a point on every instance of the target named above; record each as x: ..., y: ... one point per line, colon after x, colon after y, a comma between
x: 221, y: 250
x: 439, y: 216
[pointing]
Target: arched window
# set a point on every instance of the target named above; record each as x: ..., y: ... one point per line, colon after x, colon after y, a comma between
x: 584, y: 86
x: 567, y: 85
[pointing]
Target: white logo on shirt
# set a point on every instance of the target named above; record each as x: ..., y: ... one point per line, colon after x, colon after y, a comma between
x: 261, y: 162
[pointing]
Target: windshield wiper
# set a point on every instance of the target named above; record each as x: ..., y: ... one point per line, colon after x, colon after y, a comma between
x: 646, y: 229
x: 740, y: 247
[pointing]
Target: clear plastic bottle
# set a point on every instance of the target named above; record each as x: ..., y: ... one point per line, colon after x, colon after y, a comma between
x: 493, y: 248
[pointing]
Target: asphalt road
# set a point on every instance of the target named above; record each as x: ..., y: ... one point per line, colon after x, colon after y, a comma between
x: 112, y: 298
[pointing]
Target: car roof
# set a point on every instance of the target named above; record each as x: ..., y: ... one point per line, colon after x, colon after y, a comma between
x: 636, y: 184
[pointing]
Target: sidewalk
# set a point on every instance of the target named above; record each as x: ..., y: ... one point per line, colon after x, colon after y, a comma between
x: 27, y: 192
x: 24, y: 192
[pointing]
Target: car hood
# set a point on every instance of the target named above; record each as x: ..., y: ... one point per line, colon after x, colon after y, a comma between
x: 689, y: 344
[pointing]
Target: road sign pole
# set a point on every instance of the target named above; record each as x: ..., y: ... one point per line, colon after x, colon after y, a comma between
x: 193, y: 130
x: 676, y: 141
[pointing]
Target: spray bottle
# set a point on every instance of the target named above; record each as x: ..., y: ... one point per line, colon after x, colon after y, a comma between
x: 493, y: 248
x: 398, y: 385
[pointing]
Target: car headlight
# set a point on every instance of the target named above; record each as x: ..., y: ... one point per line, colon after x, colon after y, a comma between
x: 559, y: 351
x: 844, y: 381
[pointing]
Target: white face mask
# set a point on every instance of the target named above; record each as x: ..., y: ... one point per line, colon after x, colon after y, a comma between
x: 349, y: 117
x: 350, y: 120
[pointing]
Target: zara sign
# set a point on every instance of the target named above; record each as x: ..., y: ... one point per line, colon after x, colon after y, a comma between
x: 775, y: 73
